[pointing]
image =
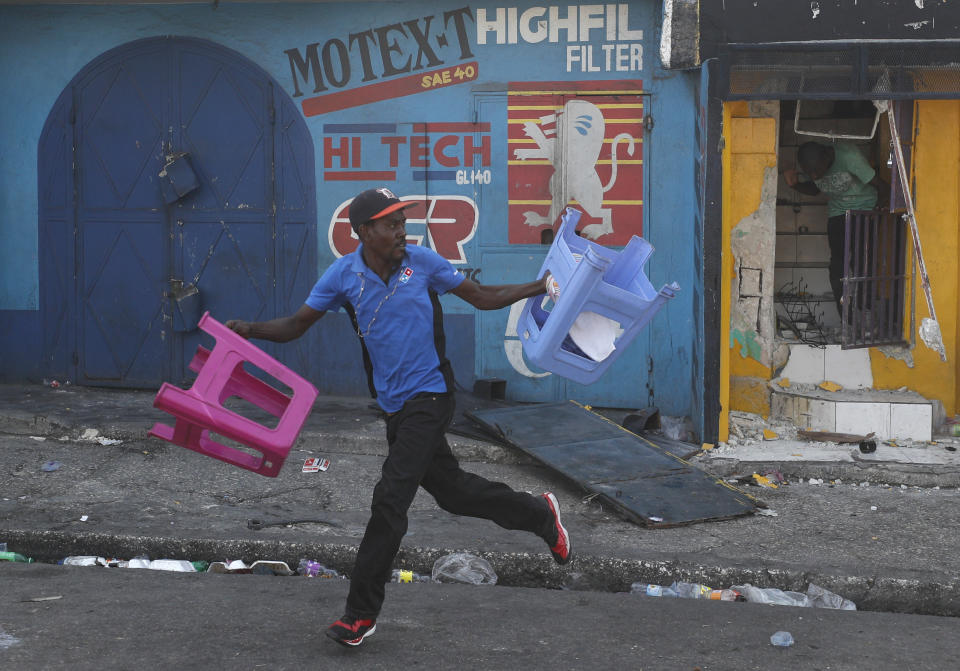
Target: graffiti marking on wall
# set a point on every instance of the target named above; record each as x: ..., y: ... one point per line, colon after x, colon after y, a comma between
x: 443, y: 223
x: 562, y: 142
x: 622, y: 51
x: 512, y: 345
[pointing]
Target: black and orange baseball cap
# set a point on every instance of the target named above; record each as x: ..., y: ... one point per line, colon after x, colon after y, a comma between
x: 373, y: 204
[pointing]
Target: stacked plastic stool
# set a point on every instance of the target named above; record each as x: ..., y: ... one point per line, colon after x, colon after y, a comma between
x: 200, y: 410
x: 592, y: 278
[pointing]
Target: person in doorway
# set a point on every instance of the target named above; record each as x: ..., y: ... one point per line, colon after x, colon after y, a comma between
x: 842, y: 173
x: 391, y: 293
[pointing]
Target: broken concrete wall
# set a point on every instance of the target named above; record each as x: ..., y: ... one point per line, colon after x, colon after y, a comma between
x: 752, y: 195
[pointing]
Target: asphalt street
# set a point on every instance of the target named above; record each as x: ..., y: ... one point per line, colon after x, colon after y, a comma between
x: 114, y: 492
x: 88, y: 618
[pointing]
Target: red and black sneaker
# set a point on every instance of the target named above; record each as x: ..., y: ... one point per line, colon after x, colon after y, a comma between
x: 351, y: 631
x: 558, y: 538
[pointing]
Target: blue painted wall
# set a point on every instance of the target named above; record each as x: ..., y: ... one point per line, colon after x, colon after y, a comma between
x: 43, y: 48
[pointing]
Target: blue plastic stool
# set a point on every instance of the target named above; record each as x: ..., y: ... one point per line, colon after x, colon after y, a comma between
x: 591, y: 278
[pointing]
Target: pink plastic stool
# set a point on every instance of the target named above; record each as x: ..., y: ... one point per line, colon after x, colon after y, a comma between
x: 220, y: 375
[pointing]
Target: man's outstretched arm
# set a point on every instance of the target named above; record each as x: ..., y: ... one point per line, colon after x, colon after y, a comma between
x: 281, y: 329
x: 494, y: 297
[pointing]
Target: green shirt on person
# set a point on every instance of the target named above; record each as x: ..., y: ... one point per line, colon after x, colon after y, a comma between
x: 846, y: 183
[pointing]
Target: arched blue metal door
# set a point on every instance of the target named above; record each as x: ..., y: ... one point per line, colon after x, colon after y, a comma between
x: 120, y: 298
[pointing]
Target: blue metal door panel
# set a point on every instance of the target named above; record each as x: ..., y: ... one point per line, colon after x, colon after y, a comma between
x: 123, y: 330
x: 122, y: 251
x: 224, y: 230
x: 246, y: 237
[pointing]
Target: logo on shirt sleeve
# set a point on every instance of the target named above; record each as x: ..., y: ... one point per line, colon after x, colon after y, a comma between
x: 405, y: 275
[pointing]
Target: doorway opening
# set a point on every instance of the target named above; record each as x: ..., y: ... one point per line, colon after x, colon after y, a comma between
x: 870, y: 272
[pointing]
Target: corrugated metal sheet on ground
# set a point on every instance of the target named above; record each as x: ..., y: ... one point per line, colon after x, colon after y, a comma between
x: 648, y: 484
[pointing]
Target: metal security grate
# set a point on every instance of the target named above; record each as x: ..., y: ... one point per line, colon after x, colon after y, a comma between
x: 874, y: 279
x: 842, y: 71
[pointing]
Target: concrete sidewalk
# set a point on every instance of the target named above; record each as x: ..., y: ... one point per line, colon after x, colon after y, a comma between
x: 118, y: 493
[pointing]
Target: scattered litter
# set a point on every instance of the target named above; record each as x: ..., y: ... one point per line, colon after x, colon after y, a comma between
x: 773, y: 596
x: 707, y: 446
x: 677, y: 428
x: 873, y: 507
x: 770, y: 435
x: 824, y: 598
x: 15, y: 557
x: 84, y: 518
x: 464, y: 567
x: 767, y: 512
x: 314, y: 464
x: 179, y: 565
x: 782, y: 639
x: 93, y: 436
x: 775, y: 476
x: 50, y: 466
x: 39, y: 438
x: 403, y: 575
x: 656, y: 519
x: 763, y: 481
x: 314, y: 569
x: 41, y: 598
x: 7, y: 640
x: 260, y: 567
x: 686, y: 590
x: 816, y: 481
x: 784, y: 382
x: 83, y: 560
x: 827, y: 385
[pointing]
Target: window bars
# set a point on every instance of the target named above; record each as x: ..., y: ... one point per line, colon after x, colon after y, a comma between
x: 874, y: 279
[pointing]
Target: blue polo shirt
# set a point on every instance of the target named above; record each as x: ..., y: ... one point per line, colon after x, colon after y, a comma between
x: 396, y: 318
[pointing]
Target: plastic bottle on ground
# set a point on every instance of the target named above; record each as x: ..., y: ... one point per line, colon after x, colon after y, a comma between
x: 84, y: 560
x: 15, y: 556
x: 782, y: 639
x: 691, y: 590
x: 726, y: 595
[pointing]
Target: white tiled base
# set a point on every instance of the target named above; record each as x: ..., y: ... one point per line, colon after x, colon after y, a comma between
x: 905, y: 421
x: 812, y: 365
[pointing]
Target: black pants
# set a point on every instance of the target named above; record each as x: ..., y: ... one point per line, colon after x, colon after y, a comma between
x: 836, y: 231
x: 420, y: 456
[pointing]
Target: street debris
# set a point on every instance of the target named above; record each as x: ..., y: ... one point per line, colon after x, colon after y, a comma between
x: 403, y: 575
x: 260, y: 567
x: 314, y: 464
x: 782, y: 639
x: 50, y: 466
x: 93, y: 436
x: 314, y: 569
x: 464, y: 567
x: 816, y: 596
